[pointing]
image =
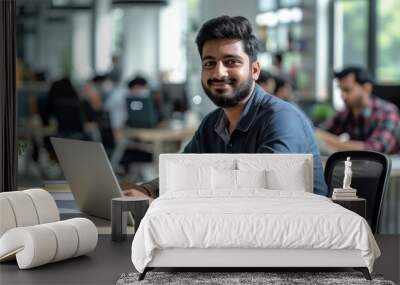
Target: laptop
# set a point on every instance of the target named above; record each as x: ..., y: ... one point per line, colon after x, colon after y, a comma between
x: 141, y: 112
x: 89, y: 174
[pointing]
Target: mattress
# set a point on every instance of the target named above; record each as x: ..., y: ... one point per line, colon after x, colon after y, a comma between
x: 250, y: 219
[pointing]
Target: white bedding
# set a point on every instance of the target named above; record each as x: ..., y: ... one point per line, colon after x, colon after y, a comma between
x: 251, y: 218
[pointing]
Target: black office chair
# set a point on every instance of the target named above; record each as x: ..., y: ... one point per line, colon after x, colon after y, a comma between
x: 370, y: 177
x: 106, y: 132
x: 69, y: 116
x: 131, y: 155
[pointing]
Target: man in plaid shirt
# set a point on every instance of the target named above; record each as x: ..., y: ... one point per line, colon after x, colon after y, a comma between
x: 370, y: 122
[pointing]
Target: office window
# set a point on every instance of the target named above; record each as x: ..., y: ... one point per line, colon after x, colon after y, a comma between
x: 267, y: 5
x: 350, y: 39
x: 290, y: 3
x: 388, y: 41
x: 350, y: 33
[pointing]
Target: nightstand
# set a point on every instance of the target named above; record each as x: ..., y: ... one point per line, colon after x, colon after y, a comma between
x: 357, y: 205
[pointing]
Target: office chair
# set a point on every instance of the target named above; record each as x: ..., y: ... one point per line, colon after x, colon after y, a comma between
x: 134, y: 154
x: 69, y: 116
x: 370, y: 177
x: 106, y: 132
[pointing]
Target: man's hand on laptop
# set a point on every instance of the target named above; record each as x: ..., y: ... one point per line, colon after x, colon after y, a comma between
x: 135, y: 193
x: 134, y: 190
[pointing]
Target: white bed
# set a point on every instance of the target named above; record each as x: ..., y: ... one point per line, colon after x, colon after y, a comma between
x: 205, y: 220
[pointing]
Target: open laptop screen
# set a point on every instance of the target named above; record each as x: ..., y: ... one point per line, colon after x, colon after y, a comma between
x: 141, y: 112
x: 89, y: 174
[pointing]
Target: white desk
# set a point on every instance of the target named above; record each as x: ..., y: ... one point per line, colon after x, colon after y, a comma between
x: 154, y: 140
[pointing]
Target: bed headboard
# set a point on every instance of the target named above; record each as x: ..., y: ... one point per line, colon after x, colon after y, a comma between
x: 288, y: 167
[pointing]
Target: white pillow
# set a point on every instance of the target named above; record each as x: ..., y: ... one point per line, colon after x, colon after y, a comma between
x: 183, y: 177
x: 223, y: 179
x: 280, y: 180
x: 251, y: 178
x: 283, y: 174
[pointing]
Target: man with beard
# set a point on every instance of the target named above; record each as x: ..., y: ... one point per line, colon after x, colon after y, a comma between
x: 248, y: 119
x: 369, y: 123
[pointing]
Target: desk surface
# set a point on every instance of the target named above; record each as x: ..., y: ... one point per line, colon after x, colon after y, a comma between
x: 106, y: 264
x: 159, y: 134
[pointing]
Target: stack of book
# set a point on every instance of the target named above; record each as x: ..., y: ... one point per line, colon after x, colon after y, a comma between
x: 344, y: 194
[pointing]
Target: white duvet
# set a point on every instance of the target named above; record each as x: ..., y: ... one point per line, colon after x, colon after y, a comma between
x: 250, y: 219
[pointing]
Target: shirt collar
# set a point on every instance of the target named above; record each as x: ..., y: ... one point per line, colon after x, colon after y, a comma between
x: 367, y: 111
x: 246, y: 117
x: 220, y: 126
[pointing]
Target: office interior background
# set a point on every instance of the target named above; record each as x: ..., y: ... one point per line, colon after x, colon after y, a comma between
x: 93, y: 49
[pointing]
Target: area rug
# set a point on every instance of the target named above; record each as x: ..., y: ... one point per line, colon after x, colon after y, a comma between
x: 243, y: 278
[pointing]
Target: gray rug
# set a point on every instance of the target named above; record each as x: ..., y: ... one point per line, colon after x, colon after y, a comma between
x: 229, y: 278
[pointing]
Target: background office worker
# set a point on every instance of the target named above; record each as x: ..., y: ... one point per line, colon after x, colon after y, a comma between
x: 369, y: 122
x: 248, y: 119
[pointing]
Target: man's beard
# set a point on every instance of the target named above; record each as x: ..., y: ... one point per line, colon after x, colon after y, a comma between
x: 224, y: 101
x: 356, y: 103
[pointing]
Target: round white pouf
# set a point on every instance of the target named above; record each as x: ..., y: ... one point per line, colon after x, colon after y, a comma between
x: 23, y: 208
x: 67, y: 240
x: 46, y: 207
x: 6, y: 215
x: 40, y: 244
x: 87, y: 235
x: 33, y: 246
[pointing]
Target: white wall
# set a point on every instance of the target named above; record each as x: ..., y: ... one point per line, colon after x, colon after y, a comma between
x: 30, y: 48
x: 52, y: 43
x: 55, y: 48
x: 81, y: 46
x: 214, y: 8
x: 140, y: 51
x: 321, y: 61
x: 173, y: 28
x: 103, y: 39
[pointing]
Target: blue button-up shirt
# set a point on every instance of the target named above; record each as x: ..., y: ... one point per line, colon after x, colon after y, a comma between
x: 266, y: 125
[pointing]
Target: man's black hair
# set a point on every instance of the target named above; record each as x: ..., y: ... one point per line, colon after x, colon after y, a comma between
x: 225, y: 27
x: 99, y: 78
x: 264, y: 77
x: 278, y: 57
x: 138, y: 80
x: 361, y: 75
x: 280, y: 82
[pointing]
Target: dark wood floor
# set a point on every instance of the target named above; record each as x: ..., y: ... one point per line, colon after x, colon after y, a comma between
x: 389, y: 262
x: 110, y: 260
x: 103, y: 266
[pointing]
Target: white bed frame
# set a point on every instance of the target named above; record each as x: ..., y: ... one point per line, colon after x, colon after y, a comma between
x: 234, y: 257
x: 242, y: 259
x: 251, y: 258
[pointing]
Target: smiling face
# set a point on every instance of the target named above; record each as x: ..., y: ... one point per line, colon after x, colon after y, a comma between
x: 227, y: 74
